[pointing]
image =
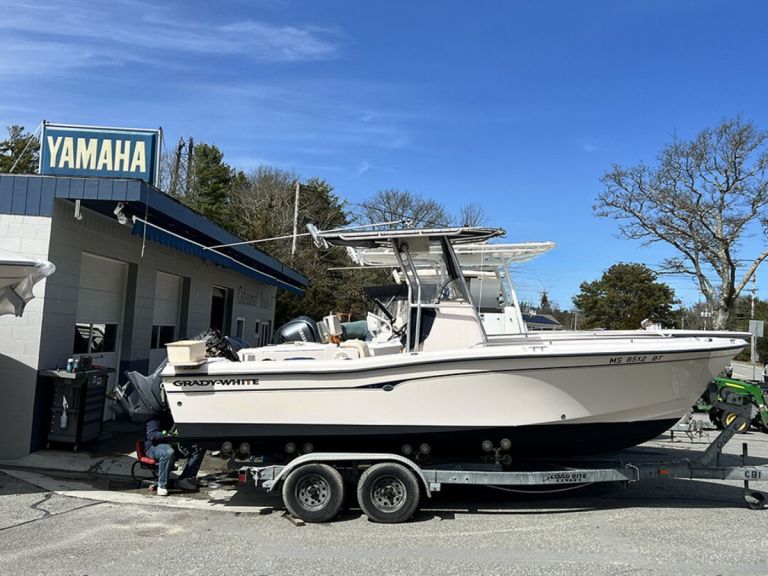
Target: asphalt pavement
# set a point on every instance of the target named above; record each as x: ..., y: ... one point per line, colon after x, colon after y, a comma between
x: 652, y: 527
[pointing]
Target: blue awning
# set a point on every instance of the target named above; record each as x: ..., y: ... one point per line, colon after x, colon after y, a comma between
x: 34, y: 195
x: 167, y: 238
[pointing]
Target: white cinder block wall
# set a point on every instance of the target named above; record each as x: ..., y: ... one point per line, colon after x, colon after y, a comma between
x: 27, y: 236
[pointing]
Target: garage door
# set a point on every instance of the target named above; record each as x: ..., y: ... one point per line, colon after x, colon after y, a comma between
x: 100, y: 304
x: 165, y: 316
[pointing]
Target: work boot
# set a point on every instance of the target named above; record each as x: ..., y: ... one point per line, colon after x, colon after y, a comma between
x: 188, y: 484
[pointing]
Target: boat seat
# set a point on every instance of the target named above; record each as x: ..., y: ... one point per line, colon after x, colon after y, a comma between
x: 359, y: 345
x: 143, y: 462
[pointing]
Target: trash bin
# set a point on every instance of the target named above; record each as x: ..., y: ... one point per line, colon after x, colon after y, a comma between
x: 77, y: 405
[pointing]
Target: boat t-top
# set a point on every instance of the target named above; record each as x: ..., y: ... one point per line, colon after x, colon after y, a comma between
x: 486, y: 269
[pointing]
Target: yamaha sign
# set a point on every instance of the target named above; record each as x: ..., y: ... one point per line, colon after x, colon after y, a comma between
x: 94, y: 151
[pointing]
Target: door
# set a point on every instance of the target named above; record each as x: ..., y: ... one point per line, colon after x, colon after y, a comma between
x: 99, y: 319
x: 165, y: 316
x: 221, y: 309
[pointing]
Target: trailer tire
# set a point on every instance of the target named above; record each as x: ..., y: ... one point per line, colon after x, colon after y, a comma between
x: 314, y: 492
x: 388, y: 493
x: 755, y: 500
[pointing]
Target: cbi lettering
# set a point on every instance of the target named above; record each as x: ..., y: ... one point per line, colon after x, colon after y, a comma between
x: 98, y: 154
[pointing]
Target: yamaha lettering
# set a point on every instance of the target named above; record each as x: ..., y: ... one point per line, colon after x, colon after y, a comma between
x: 110, y: 152
x: 216, y: 382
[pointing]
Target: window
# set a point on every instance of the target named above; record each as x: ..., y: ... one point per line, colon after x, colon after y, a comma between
x: 165, y: 314
x: 266, y: 333
x: 161, y: 335
x: 240, y: 328
x: 93, y: 338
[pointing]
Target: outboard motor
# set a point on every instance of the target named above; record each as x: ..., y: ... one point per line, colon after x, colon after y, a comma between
x: 142, y: 397
x: 301, y: 329
x: 218, y: 346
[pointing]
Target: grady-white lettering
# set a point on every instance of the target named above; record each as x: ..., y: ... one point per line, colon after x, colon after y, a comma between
x: 217, y: 382
x: 94, y: 154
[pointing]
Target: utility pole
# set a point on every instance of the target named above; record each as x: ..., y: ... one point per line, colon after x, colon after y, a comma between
x: 295, y: 218
x: 755, y: 329
x: 176, y: 168
x: 190, y: 149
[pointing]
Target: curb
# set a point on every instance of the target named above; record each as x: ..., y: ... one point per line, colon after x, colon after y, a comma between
x: 217, y: 502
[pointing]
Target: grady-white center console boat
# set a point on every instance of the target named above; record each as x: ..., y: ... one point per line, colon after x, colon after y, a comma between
x: 438, y: 380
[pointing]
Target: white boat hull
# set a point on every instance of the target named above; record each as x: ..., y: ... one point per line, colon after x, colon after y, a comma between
x: 563, y: 396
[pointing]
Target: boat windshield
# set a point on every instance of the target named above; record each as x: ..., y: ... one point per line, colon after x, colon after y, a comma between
x: 430, y: 274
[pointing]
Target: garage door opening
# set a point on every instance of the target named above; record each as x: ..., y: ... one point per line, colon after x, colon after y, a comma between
x: 100, y: 310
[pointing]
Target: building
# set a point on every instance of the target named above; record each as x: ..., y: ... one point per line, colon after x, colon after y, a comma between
x: 539, y: 322
x: 131, y: 275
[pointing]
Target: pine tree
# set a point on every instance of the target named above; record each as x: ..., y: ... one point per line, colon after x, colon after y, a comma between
x: 19, y: 152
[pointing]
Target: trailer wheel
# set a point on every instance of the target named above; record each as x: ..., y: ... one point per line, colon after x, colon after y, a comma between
x: 755, y: 500
x: 388, y: 493
x: 314, y: 492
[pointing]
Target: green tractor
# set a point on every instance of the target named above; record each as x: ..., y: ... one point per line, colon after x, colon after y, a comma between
x: 737, y: 393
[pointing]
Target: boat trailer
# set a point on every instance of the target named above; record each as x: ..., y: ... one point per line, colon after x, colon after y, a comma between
x: 389, y: 486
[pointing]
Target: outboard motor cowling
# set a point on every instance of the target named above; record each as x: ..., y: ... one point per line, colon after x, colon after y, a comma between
x: 142, y: 397
x: 301, y: 329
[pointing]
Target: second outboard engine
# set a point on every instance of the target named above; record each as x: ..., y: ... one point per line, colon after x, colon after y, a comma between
x: 301, y: 329
x: 218, y: 346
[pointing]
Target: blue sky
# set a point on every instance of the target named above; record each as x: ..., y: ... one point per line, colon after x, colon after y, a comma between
x: 520, y: 106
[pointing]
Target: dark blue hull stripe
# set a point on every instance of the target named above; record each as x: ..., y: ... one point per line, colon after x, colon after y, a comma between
x: 539, y: 440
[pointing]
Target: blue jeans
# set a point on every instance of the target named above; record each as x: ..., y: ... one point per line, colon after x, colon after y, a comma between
x: 166, y: 456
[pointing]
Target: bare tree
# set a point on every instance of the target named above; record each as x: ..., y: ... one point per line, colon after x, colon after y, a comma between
x: 471, y: 214
x: 702, y: 199
x: 264, y: 205
x: 391, y: 205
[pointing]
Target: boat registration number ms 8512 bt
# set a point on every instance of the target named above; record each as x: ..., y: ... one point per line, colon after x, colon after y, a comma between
x: 635, y: 359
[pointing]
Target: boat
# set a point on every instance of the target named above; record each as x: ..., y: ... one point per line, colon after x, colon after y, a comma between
x: 18, y: 275
x: 437, y: 383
